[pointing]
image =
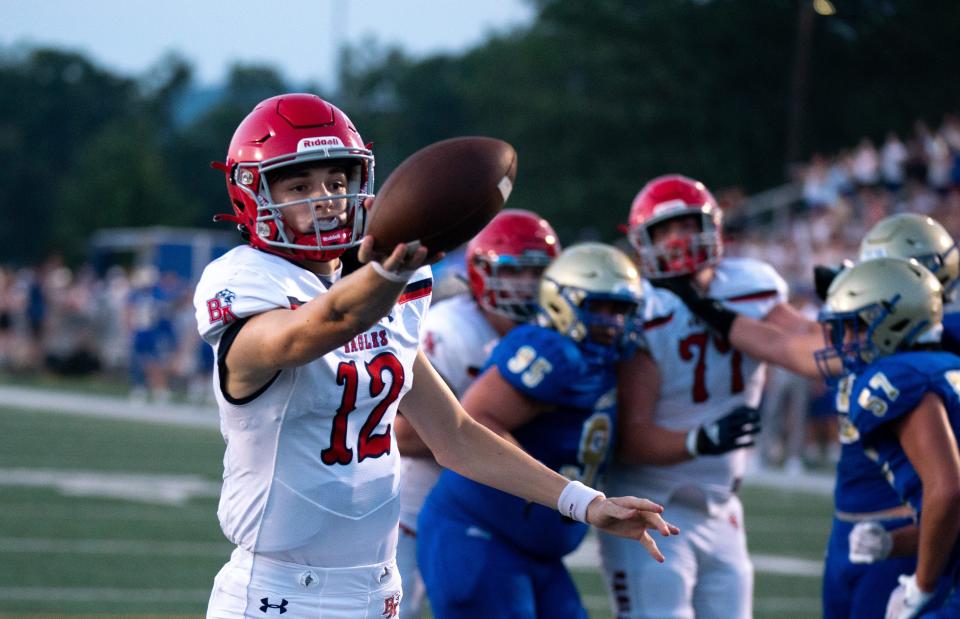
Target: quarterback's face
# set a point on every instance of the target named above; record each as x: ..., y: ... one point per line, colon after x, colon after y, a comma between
x: 316, y: 183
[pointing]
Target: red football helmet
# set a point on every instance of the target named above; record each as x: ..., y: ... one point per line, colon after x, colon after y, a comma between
x: 668, y: 197
x: 513, y: 242
x: 287, y: 130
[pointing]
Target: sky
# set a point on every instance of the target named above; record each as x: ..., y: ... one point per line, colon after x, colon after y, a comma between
x: 299, y: 37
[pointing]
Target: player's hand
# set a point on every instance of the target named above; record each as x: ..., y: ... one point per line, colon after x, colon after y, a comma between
x: 735, y: 430
x: 405, y: 257
x: 869, y: 542
x: 907, y: 600
x: 631, y: 517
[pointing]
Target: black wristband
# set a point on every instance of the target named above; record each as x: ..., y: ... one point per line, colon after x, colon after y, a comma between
x: 711, y: 311
x: 717, y: 317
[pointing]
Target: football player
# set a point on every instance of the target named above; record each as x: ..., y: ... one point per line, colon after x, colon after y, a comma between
x: 504, y: 264
x: 864, y: 559
x: 550, y: 388
x: 856, y: 574
x: 310, y: 367
x: 882, y: 322
x: 688, y: 409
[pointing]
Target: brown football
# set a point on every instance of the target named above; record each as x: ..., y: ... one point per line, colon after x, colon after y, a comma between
x: 443, y: 194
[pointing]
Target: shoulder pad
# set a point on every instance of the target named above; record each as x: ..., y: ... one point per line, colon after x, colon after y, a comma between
x: 887, y: 390
x: 538, y: 362
x: 748, y: 286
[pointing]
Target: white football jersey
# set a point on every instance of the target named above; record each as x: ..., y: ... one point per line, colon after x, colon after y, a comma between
x: 311, y: 470
x: 701, y: 378
x: 457, y: 339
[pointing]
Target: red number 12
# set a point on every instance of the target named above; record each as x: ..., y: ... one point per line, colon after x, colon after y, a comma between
x: 369, y: 445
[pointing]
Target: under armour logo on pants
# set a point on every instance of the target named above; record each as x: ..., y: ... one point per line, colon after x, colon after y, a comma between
x: 282, y: 606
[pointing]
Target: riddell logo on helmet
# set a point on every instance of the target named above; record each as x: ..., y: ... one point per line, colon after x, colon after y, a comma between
x: 319, y: 142
x: 669, y: 205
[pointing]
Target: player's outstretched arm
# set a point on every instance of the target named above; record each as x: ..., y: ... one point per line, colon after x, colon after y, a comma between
x: 284, y: 338
x: 784, y: 337
x: 469, y: 448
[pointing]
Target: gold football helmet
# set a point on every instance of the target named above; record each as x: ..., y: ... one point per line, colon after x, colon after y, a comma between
x: 922, y: 238
x: 876, y: 308
x: 588, y: 273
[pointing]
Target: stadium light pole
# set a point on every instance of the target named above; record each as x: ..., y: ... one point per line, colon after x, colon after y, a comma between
x: 798, y: 83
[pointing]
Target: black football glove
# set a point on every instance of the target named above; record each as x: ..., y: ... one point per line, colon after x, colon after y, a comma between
x: 734, y: 430
x: 823, y: 276
x: 710, y: 311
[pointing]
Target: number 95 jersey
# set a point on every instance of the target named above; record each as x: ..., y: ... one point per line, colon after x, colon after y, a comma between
x: 572, y: 436
x: 310, y: 472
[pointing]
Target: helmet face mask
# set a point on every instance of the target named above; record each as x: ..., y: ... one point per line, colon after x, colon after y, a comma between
x: 510, y: 284
x: 592, y: 294
x: 874, y: 309
x: 662, y: 201
x: 294, y: 131
x: 505, y: 261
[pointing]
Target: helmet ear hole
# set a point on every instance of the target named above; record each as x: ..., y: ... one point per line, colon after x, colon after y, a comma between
x: 899, y: 325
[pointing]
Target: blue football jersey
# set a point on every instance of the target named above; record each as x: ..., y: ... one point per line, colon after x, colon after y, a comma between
x: 891, y: 388
x: 860, y: 485
x: 951, y: 333
x: 573, y: 437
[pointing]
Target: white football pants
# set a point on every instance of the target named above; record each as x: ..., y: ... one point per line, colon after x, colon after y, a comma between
x: 707, y: 573
x: 252, y: 586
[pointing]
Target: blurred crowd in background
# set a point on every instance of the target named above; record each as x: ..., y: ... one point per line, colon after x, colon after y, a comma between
x: 136, y: 326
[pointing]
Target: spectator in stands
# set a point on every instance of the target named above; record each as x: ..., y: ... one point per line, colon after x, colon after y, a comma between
x: 866, y: 164
x: 893, y: 155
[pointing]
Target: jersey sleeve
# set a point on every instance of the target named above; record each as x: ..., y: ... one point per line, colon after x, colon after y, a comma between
x: 538, y: 362
x: 443, y: 345
x: 885, y: 392
x: 223, y: 297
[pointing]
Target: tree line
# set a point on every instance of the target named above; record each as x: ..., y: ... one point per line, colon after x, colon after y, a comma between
x: 596, y: 96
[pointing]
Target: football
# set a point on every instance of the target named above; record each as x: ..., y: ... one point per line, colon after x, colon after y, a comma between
x: 443, y: 194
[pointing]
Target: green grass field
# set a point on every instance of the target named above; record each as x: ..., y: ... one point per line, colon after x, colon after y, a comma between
x: 118, y: 518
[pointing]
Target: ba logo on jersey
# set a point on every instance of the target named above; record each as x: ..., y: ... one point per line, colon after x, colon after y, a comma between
x: 219, y: 306
x: 391, y: 605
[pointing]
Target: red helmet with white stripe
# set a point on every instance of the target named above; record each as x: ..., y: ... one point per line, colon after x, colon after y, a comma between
x: 505, y: 261
x: 666, y: 198
x: 287, y: 130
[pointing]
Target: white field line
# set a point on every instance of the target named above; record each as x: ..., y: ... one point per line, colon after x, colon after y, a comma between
x: 35, y: 545
x: 585, y: 557
x: 102, y: 594
x: 108, y: 407
x: 143, y: 487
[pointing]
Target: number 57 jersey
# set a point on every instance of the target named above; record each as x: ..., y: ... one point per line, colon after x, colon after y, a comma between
x: 702, y: 378
x: 311, y: 472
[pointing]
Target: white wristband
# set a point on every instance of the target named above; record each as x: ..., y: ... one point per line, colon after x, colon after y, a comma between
x: 574, y: 499
x: 399, y: 277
